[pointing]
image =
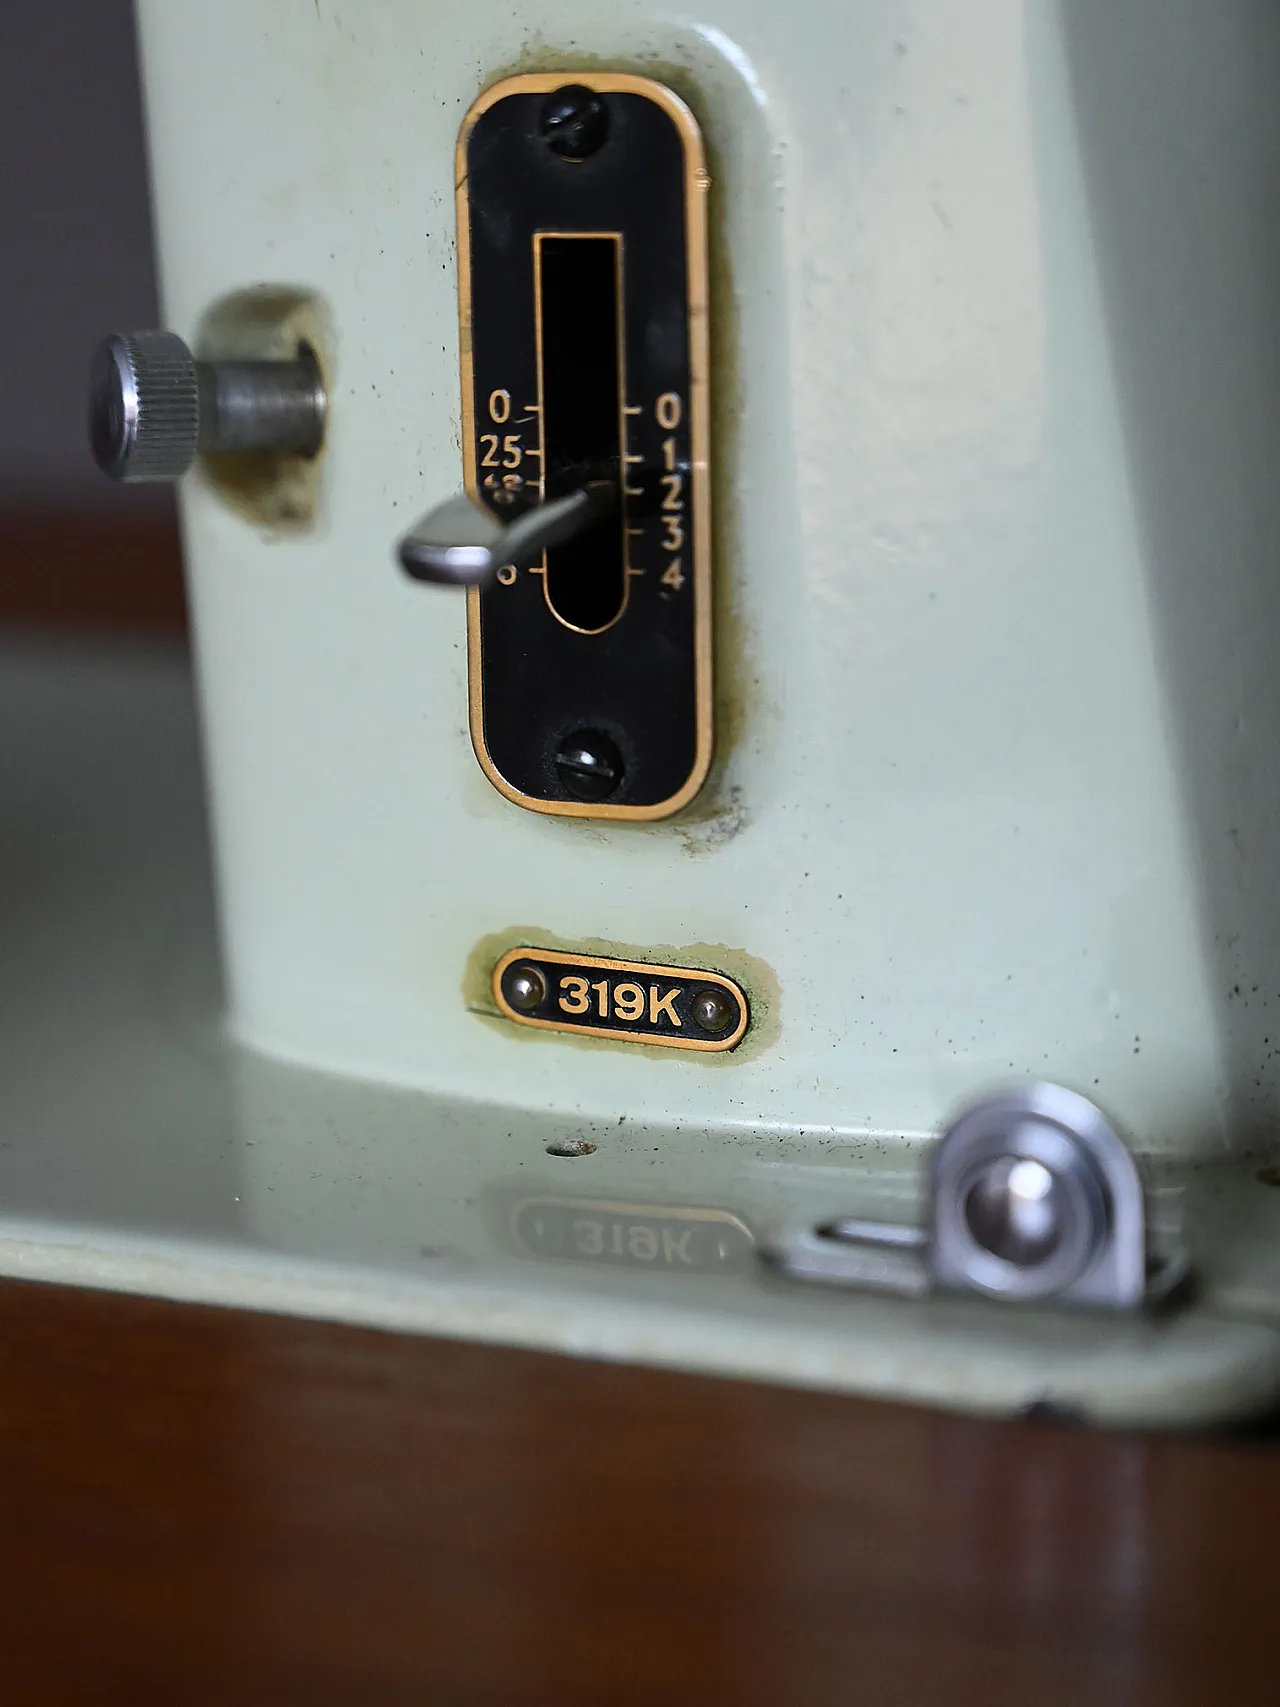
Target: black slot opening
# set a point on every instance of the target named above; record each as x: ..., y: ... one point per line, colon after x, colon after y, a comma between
x: 581, y: 418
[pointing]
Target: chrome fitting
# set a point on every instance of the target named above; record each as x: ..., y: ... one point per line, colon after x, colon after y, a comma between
x: 1032, y: 1197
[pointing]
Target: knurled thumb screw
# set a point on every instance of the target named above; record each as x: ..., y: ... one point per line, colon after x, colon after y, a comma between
x: 153, y: 407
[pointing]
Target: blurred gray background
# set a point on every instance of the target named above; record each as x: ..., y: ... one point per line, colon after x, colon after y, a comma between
x: 75, y: 234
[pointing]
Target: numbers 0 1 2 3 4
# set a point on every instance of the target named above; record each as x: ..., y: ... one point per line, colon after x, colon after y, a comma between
x: 669, y: 414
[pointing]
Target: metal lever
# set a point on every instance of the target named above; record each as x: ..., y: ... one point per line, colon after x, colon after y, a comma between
x: 459, y: 544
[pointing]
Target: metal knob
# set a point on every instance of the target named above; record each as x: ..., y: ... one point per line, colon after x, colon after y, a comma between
x: 153, y: 407
x: 1034, y: 1197
x: 459, y: 544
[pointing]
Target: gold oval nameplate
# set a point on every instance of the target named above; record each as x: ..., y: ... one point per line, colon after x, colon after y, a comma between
x: 677, y: 1007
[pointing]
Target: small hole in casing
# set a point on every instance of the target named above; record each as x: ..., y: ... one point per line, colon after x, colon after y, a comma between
x: 570, y: 1147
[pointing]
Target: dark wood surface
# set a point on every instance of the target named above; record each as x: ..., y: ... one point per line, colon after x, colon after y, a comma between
x: 201, y: 1506
x: 115, y: 567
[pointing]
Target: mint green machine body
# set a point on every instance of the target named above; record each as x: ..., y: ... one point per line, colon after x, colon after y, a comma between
x: 996, y: 783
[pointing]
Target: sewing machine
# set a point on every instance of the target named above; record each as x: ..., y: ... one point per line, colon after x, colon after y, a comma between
x: 735, y: 628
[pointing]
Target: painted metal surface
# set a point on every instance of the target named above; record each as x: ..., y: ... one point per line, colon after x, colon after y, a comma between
x: 142, y: 1151
x: 995, y: 792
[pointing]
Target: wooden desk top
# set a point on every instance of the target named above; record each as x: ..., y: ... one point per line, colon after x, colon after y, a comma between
x: 199, y: 1506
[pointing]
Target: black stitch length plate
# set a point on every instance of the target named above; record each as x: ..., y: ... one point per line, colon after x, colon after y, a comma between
x: 584, y: 339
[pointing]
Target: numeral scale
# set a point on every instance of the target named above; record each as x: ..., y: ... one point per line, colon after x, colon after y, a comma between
x: 582, y: 263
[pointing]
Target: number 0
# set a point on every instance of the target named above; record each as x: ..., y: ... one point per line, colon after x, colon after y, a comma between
x: 669, y: 409
x: 499, y: 406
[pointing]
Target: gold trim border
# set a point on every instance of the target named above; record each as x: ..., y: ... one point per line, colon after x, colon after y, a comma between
x: 698, y: 974
x: 620, y: 329
x: 697, y: 181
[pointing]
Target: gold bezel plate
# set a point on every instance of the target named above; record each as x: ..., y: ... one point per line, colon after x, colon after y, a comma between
x: 697, y: 182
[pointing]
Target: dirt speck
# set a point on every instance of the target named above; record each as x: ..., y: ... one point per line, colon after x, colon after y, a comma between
x: 727, y: 819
